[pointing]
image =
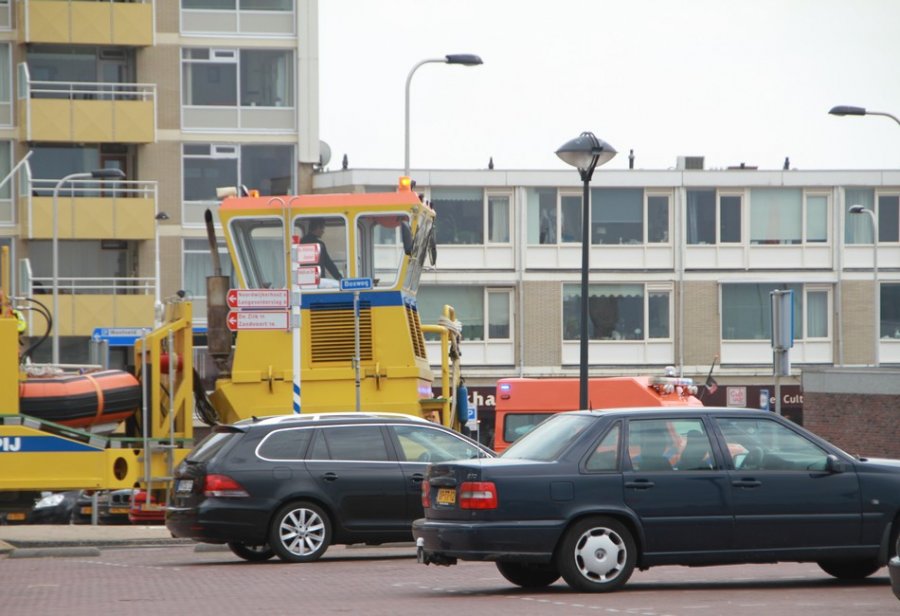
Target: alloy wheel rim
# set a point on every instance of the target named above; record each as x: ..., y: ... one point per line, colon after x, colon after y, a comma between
x: 600, y: 554
x: 302, y: 532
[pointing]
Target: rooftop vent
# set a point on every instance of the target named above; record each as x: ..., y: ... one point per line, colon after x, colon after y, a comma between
x: 689, y: 163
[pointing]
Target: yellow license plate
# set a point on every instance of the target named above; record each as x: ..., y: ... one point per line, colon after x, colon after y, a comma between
x: 86, y: 511
x: 15, y: 517
x: 446, y: 496
x: 116, y: 510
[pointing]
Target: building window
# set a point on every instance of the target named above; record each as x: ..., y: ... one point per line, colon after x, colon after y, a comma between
x: 747, y: 311
x: 232, y: 77
x: 890, y: 310
x: 472, y: 303
x: 776, y: 216
x: 816, y: 218
x: 266, y: 168
x: 245, y: 5
x: 7, y: 211
x: 617, y: 216
x: 498, y: 219
x: 888, y: 218
x: 618, y: 312
x: 858, y: 228
x: 197, y: 266
x: 657, y: 219
x: 713, y: 218
x: 460, y: 212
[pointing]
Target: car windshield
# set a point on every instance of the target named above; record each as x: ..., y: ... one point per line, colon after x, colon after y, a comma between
x: 550, y: 438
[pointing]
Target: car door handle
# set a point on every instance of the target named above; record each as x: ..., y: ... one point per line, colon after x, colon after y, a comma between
x: 746, y: 483
x: 417, y: 477
x: 330, y: 476
x: 640, y: 484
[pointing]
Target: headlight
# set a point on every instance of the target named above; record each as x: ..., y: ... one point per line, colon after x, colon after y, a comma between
x: 49, y: 501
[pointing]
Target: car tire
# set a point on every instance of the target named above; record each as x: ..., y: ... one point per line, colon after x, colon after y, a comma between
x: 856, y: 569
x: 597, y: 554
x: 300, y: 532
x: 252, y: 553
x: 528, y: 575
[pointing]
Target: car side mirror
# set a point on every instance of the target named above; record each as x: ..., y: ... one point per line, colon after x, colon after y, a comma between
x: 833, y: 464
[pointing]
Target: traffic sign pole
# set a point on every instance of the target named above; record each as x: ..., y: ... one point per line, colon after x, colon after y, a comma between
x: 295, y: 320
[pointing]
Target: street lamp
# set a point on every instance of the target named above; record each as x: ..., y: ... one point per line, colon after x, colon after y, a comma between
x: 465, y: 59
x: 585, y: 152
x: 157, y: 304
x: 858, y: 209
x: 850, y: 110
x: 97, y: 174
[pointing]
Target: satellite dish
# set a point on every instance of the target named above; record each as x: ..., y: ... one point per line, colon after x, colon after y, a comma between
x: 324, y: 154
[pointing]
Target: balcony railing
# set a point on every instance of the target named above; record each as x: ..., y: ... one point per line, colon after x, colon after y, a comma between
x: 94, y: 286
x: 80, y: 22
x: 85, y: 111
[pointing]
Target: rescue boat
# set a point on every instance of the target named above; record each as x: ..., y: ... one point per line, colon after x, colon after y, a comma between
x: 86, y: 401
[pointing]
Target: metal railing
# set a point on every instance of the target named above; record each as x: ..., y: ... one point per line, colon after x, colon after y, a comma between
x: 122, y: 189
x: 82, y: 90
x: 93, y: 286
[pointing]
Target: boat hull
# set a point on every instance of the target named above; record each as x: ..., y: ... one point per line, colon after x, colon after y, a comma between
x: 81, y: 400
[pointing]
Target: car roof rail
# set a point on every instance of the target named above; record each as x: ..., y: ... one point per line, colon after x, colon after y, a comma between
x: 301, y: 417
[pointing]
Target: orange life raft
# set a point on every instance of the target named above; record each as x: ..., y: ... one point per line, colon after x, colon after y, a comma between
x: 81, y: 400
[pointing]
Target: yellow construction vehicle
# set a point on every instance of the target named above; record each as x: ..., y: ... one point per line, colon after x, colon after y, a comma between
x: 317, y: 315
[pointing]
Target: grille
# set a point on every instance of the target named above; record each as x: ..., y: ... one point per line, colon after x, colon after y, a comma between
x: 415, y: 332
x: 332, y: 326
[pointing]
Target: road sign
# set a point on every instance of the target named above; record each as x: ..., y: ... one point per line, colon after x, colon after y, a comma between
x: 308, y: 276
x: 306, y: 254
x: 119, y: 336
x: 258, y: 298
x: 356, y: 284
x: 258, y: 319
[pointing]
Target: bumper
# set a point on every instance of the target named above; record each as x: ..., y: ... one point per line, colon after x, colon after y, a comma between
x: 218, y: 523
x: 443, y: 542
x: 894, y: 570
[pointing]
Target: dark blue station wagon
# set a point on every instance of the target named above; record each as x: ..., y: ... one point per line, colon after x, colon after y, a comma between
x: 591, y: 495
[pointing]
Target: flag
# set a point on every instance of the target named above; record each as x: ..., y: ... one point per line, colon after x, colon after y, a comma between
x: 711, y: 385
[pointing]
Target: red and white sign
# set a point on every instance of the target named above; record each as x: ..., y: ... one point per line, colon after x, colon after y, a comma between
x: 308, y: 276
x: 258, y: 298
x: 258, y: 319
x: 306, y: 254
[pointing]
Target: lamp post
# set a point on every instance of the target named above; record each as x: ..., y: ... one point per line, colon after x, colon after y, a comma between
x: 858, y: 209
x: 585, y: 152
x: 850, y: 110
x: 97, y: 174
x: 465, y: 59
x: 157, y: 303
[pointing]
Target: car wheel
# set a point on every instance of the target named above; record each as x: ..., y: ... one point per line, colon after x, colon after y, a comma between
x: 300, y: 532
x: 597, y: 555
x: 857, y: 569
x: 252, y: 553
x: 528, y: 575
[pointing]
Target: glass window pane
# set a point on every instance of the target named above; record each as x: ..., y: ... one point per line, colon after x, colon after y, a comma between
x: 203, y: 175
x: 657, y: 219
x: 207, y: 4
x: 541, y: 204
x: 615, y: 312
x: 468, y: 302
x: 498, y: 220
x: 570, y: 213
x: 888, y: 221
x: 776, y: 215
x: 701, y: 217
x: 762, y: 444
x: 817, y: 218
x: 259, y: 244
x: 858, y: 227
x: 817, y: 314
x: 355, y: 443
x: 890, y: 311
x: 268, y: 168
x: 5, y: 73
x: 210, y: 83
x: 460, y: 215
x: 267, y: 78
x: 747, y: 311
x: 330, y: 233
x: 651, y: 445
x: 617, y: 216
x: 423, y: 444
x: 605, y: 456
x: 730, y: 219
x: 498, y: 315
x: 658, y: 314
x: 379, y: 249
x: 285, y: 444
x: 267, y: 5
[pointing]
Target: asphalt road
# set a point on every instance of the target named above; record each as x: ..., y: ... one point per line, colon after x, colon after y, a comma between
x: 178, y: 579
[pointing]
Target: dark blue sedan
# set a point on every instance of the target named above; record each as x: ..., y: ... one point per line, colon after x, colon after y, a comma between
x: 591, y: 495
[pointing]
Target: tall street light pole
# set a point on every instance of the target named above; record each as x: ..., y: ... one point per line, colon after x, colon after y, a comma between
x: 97, y: 174
x: 157, y: 303
x: 464, y: 59
x: 585, y: 152
x: 858, y: 209
x: 850, y: 110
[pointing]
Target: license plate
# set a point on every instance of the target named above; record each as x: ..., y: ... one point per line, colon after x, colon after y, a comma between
x: 15, y: 517
x: 118, y: 510
x: 446, y: 496
x: 184, y: 485
x: 86, y: 510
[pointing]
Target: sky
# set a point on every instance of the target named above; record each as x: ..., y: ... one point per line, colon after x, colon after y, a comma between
x: 734, y: 81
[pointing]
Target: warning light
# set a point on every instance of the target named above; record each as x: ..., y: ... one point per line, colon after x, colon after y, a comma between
x: 406, y: 184
x: 254, y: 193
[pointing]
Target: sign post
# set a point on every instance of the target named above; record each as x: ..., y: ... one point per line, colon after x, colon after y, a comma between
x: 356, y: 285
x: 301, y: 254
x: 782, y: 338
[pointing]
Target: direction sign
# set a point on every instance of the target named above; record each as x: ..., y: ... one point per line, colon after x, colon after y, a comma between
x: 258, y: 319
x: 258, y: 298
x: 306, y: 254
x: 356, y: 284
x: 308, y: 276
x: 119, y: 336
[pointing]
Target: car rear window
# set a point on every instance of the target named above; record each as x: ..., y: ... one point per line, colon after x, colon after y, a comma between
x: 550, y: 438
x: 211, y: 445
x: 285, y: 444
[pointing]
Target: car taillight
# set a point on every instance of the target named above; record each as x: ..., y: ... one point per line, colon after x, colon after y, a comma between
x: 223, y: 485
x: 478, y: 495
x: 426, y: 495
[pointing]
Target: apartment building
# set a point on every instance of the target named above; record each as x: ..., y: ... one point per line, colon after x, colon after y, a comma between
x: 183, y: 96
x: 682, y: 265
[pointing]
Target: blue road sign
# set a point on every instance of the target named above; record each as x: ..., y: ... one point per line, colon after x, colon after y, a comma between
x: 356, y: 284
x: 119, y: 336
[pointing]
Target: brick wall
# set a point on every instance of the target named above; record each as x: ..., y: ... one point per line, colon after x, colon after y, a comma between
x: 868, y: 425
x: 542, y: 305
x: 701, y: 322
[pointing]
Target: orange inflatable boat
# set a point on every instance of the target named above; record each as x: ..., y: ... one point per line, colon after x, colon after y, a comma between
x: 81, y: 400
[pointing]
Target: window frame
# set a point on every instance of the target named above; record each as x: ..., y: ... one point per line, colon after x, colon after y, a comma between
x: 648, y: 289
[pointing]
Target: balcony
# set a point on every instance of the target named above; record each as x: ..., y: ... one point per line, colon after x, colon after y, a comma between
x: 88, y: 210
x: 85, y: 112
x: 80, y: 22
x: 87, y: 303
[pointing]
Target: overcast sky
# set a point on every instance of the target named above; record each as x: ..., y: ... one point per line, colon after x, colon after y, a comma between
x: 748, y: 81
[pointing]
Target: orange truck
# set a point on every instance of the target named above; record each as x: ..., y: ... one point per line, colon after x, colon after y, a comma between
x: 522, y: 403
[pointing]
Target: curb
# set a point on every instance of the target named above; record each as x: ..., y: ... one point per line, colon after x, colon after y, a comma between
x: 54, y: 551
